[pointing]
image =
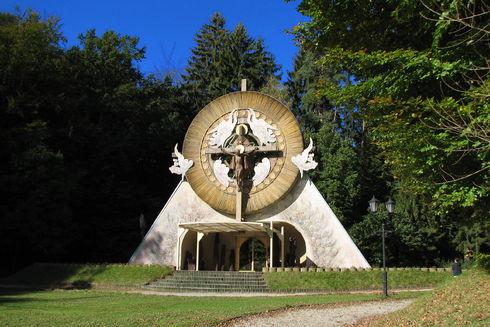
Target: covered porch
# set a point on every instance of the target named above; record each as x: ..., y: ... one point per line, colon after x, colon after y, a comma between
x: 230, y: 245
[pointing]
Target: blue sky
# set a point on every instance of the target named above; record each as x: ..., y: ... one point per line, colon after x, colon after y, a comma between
x: 167, y: 28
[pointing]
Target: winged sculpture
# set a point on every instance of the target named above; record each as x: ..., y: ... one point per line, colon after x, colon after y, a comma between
x: 223, y: 130
x: 260, y: 128
x: 221, y: 172
x: 261, y: 170
x: 304, y: 161
x: 181, y: 165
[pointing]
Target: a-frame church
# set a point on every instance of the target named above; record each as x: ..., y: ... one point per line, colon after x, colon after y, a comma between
x: 245, y: 201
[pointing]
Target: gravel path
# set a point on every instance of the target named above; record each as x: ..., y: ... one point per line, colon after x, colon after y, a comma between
x: 326, y: 316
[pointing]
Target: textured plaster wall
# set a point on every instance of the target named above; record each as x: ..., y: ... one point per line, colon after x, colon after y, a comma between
x: 160, y: 243
x: 327, y: 242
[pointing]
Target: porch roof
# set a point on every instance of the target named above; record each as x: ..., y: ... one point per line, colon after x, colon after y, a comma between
x: 224, y: 227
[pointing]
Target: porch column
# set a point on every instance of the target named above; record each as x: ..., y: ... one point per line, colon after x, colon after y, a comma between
x: 181, y: 232
x: 271, y: 246
x: 198, y: 239
x: 237, y: 253
x: 253, y: 254
x: 282, y: 246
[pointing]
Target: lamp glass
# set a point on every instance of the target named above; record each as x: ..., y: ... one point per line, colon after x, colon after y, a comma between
x: 373, y: 204
x: 390, y: 205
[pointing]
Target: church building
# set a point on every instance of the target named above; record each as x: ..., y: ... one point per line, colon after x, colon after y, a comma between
x: 245, y: 201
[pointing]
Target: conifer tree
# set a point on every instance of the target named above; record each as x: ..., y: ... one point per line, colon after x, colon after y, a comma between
x: 221, y: 58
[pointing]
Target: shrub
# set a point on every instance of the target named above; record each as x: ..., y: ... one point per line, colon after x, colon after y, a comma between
x: 482, y: 261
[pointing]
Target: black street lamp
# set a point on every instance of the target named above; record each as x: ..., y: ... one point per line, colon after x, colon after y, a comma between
x: 390, y: 207
x: 373, y: 204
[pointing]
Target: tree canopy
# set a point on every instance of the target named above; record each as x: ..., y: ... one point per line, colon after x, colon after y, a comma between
x: 417, y: 79
x: 84, y: 138
x: 221, y: 58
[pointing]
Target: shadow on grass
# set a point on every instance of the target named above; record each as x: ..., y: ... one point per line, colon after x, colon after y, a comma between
x: 42, y: 276
x: 16, y: 296
x: 11, y: 296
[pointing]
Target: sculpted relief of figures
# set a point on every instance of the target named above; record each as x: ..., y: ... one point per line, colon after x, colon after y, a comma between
x: 261, y: 129
x: 223, y: 131
x: 238, y: 140
x: 261, y: 170
x: 221, y: 172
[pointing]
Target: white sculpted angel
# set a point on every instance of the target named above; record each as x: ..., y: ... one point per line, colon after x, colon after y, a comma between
x: 221, y: 172
x: 261, y: 170
x: 181, y: 165
x: 260, y: 128
x: 223, y: 130
x: 304, y: 161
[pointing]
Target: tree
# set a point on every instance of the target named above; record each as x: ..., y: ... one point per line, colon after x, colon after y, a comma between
x: 350, y: 167
x: 84, y: 142
x: 337, y: 176
x: 411, y: 86
x: 221, y: 58
x: 35, y: 211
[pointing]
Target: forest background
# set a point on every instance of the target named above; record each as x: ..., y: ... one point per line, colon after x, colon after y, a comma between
x: 394, y: 93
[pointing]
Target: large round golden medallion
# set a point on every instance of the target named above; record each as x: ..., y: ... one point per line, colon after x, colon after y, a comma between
x: 255, y: 128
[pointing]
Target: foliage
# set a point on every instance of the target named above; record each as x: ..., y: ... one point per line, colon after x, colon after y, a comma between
x: 354, y: 280
x: 337, y: 175
x: 83, y: 142
x: 417, y: 83
x: 91, y: 275
x: 482, y: 261
x: 463, y: 301
x: 277, y: 90
x: 221, y: 58
x: 433, y: 137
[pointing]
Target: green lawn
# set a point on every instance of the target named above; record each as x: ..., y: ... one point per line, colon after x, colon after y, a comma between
x: 87, y: 275
x: 354, y: 280
x: 101, y: 308
x: 463, y: 301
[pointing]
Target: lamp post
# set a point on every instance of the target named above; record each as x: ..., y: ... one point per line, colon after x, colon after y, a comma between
x: 390, y: 207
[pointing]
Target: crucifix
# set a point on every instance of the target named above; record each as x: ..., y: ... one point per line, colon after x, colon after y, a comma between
x: 244, y: 149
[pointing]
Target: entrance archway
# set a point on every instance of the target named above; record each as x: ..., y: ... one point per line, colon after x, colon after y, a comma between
x: 188, y: 251
x: 253, y: 255
x: 294, y: 247
x: 216, y: 251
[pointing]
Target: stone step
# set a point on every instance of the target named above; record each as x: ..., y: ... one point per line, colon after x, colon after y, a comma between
x: 217, y: 273
x: 216, y: 279
x: 210, y: 289
x: 211, y: 281
x: 218, y: 287
x: 207, y: 284
x: 200, y: 283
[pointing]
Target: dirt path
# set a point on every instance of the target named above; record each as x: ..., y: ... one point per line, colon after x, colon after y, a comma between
x: 327, y: 316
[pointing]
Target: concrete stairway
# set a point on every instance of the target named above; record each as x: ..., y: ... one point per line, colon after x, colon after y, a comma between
x: 211, y: 281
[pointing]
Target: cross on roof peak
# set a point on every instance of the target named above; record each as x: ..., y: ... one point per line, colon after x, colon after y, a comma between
x: 244, y: 85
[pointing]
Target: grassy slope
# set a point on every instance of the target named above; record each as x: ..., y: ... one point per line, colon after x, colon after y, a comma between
x: 345, y: 280
x: 463, y: 301
x: 46, y: 274
x: 100, y: 308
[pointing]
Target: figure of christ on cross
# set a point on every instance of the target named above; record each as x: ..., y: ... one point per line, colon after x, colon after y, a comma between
x: 242, y: 161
